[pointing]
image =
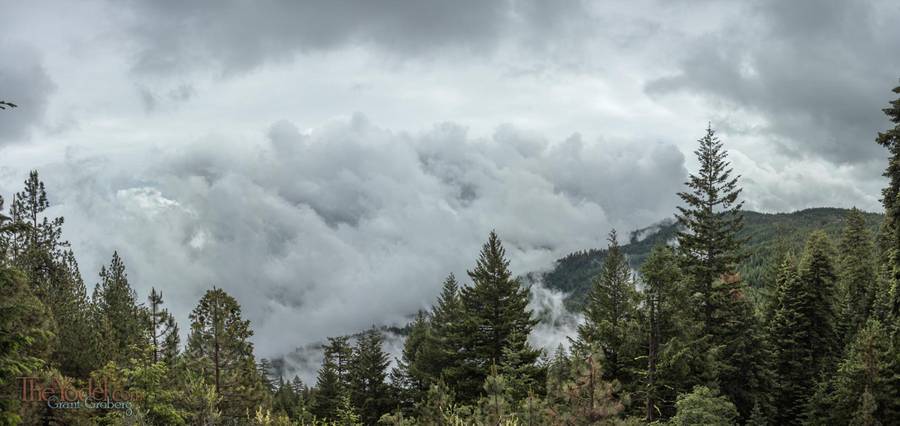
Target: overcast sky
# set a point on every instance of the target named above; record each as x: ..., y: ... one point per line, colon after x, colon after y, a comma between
x: 329, y: 162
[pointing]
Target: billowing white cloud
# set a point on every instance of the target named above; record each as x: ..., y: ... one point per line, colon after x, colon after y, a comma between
x: 331, y: 230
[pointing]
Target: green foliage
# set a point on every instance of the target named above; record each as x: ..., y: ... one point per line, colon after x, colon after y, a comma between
x: 24, y: 338
x: 123, y: 323
x: 331, y: 384
x: 611, y: 316
x: 219, y: 348
x: 163, y: 330
x: 802, y: 331
x: 768, y: 237
x: 495, y: 320
x: 586, y: 398
x: 856, y: 276
x: 369, y: 392
x: 704, y: 406
x: 865, y: 388
x: 710, y: 221
x: 674, y: 361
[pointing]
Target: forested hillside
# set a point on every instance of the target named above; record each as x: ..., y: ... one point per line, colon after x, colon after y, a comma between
x: 768, y: 234
x: 732, y: 318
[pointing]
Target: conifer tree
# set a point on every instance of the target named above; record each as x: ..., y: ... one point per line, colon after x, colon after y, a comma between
x: 25, y: 339
x: 743, y: 367
x: 163, y: 331
x: 865, y: 388
x: 408, y: 378
x: 78, y: 350
x: 791, y: 350
x: 330, y: 390
x: 559, y: 370
x: 119, y: 313
x: 495, y: 317
x: 663, y: 301
x: 432, y: 349
x: 856, y: 276
x: 220, y: 349
x: 890, y: 139
x: 817, y: 273
x: 710, y: 222
x: 802, y: 329
x: 587, y: 398
x: 339, y: 351
x: 497, y: 402
x: 441, y: 355
x: 38, y: 245
x: 611, y: 316
x: 369, y: 392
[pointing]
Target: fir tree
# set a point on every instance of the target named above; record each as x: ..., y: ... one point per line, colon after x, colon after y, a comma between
x: 710, y: 222
x: 115, y: 302
x: 611, y: 315
x: 866, y: 385
x: 817, y: 274
x: 339, y: 351
x: 38, y: 245
x: 25, y: 339
x: 220, y: 349
x: 163, y: 331
x: 407, y: 378
x: 890, y: 139
x: 856, y: 276
x: 495, y: 317
x: 78, y: 350
x: 663, y: 302
x: 743, y: 368
x: 802, y: 330
x: 369, y: 392
x: 330, y: 390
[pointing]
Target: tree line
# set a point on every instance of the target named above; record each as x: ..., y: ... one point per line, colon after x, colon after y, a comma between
x: 678, y: 342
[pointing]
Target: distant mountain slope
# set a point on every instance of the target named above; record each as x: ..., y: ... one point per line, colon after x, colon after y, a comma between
x: 573, y: 273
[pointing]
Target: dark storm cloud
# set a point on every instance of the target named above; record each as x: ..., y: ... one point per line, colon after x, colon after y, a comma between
x: 234, y: 36
x: 818, y: 71
x: 24, y: 82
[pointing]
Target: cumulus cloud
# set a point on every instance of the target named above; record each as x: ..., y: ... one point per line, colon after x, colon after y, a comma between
x: 330, y: 230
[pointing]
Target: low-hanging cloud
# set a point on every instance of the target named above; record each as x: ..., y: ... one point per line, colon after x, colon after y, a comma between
x: 330, y: 230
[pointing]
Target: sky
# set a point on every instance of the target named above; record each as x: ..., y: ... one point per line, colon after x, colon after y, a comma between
x: 330, y: 162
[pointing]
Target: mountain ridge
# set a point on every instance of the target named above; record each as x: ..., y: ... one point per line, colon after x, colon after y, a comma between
x: 573, y: 273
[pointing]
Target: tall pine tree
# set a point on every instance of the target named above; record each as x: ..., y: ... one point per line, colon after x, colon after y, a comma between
x: 802, y: 329
x: 709, y: 223
x: 857, y: 283
x: 123, y: 321
x: 219, y: 348
x: 495, y: 319
x: 610, y: 316
x: 163, y: 330
x: 368, y: 370
x: 890, y: 139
